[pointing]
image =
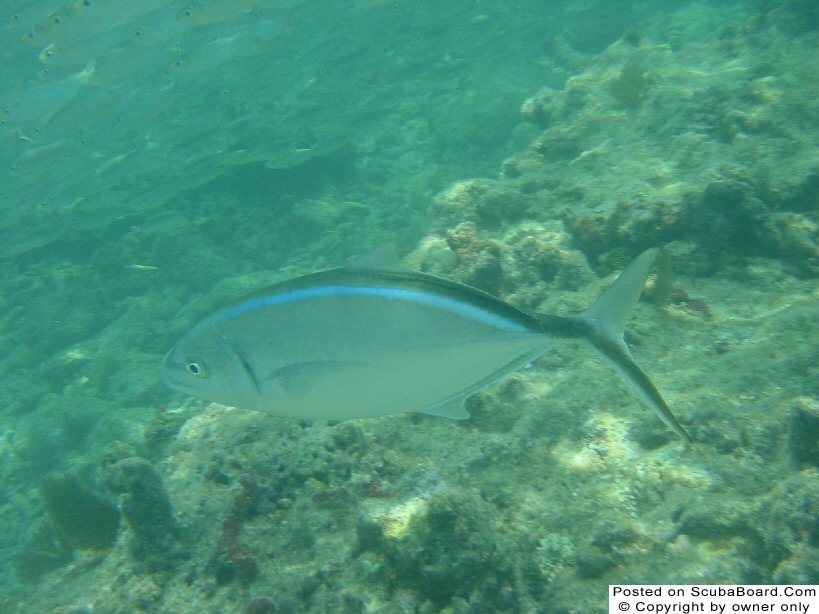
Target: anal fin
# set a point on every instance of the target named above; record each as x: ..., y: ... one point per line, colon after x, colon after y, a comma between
x: 452, y: 408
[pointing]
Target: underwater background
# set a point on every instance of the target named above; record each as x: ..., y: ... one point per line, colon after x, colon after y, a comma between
x: 159, y: 160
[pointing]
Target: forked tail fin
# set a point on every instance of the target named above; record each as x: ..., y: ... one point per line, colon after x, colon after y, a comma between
x: 603, y: 325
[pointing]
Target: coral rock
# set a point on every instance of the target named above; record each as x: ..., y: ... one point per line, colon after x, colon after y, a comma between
x: 145, y: 503
x: 84, y: 518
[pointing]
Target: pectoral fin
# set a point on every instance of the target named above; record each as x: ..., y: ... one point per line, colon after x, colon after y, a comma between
x: 300, y: 377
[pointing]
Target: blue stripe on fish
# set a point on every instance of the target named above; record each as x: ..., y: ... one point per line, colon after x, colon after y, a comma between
x: 440, y: 302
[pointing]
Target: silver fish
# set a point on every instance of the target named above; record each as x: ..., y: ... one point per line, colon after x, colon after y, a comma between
x: 373, y: 340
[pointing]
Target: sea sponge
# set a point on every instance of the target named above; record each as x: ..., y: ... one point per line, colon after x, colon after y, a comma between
x: 145, y: 504
x: 630, y: 87
x: 82, y: 517
x: 803, y: 443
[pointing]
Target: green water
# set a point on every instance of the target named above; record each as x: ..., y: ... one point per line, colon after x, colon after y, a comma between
x: 160, y: 160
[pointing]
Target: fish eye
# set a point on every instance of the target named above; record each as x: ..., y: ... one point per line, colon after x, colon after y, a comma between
x: 196, y: 368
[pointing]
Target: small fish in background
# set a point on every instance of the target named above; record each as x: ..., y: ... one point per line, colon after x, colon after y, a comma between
x: 375, y: 339
x: 39, y: 103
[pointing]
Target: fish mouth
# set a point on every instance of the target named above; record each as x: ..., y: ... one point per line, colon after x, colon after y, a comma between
x: 175, y: 382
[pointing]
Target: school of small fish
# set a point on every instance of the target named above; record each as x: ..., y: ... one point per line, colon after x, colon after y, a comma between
x: 109, y: 108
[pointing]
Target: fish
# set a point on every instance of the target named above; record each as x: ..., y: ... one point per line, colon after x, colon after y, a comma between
x: 38, y: 104
x: 374, y: 339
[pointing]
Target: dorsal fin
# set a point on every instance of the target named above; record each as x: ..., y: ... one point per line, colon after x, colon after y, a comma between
x: 382, y: 258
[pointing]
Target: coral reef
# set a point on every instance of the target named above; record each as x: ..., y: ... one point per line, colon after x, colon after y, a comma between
x: 233, y: 559
x: 656, y: 194
x: 445, y: 550
x: 82, y: 517
x: 485, y: 202
x: 697, y: 129
x: 146, y: 507
x: 479, y: 260
x: 78, y: 518
x: 803, y: 432
x: 163, y: 429
x: 262, y: 605
x: 630, y: 87
x: 45, y: 551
